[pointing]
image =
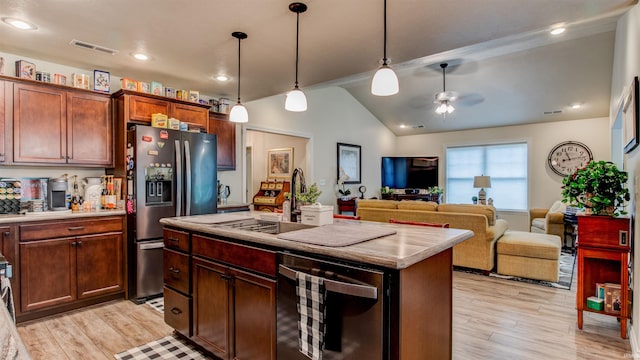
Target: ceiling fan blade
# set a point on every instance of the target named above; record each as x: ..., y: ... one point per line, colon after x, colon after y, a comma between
x: 469, y: 99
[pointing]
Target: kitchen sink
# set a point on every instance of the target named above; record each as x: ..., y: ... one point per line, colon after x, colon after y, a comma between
x: 263, y: 226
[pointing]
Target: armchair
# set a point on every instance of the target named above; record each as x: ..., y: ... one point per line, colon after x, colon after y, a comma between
x: 548, y: 221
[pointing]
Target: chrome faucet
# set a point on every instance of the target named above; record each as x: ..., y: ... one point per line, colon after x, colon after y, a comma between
x: 303, y: 188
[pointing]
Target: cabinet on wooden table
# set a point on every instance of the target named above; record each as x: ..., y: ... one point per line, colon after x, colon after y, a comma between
x: 65, y: 264
x: 54, y: 125
x: 603, y: 258
x: 225, y: 130
x: 347, y: 205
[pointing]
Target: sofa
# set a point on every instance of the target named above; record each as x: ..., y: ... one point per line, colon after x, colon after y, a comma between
x: 477, y: 252
x: 548, y: 221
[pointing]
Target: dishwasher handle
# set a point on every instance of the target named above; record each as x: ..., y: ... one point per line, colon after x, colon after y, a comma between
x: 151, y: 245
x: 339, y: 287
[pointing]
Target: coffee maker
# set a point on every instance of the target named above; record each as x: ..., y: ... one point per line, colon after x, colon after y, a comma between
x: 57, y: 194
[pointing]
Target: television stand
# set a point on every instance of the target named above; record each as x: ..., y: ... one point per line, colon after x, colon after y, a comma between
x: 424, y: 197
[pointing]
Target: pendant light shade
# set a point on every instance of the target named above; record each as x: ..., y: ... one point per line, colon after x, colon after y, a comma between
x: 239, y: 113
x: 385, y: 81
x: 296, y: 100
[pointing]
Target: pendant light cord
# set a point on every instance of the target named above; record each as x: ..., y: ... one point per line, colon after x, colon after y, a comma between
x: 384, y: 58
x: 297, y: 36
x: 239, y: 70
x: 444, y: 87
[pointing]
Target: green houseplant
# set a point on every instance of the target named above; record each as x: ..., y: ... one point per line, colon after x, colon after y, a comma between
x: 310, y: 196
x: 599, y: 187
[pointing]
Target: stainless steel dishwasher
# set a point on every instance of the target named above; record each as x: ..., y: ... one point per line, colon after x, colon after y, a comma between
x: 355, y: 304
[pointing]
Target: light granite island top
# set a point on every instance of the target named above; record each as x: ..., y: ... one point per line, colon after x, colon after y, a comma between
x: 407, y: 246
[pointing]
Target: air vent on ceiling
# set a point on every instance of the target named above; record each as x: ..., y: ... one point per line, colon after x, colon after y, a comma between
x: 417, y: 126
x: 90, y: 46
x: 553, y: 112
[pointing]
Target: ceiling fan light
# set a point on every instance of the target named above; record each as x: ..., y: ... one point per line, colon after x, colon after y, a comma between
x: 450, y: 108
x: 296, y: 100
x: 239, y: 114
x: 442, y: 108
x: 385, y: 82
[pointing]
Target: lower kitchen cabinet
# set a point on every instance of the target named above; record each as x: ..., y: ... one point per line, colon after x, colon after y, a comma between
x: 60, y: 271
x: 233, y: 311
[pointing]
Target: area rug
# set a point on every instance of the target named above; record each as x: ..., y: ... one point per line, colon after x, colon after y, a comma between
x: 567, y: 267
x: 169, y: 347
x: 157, y: 304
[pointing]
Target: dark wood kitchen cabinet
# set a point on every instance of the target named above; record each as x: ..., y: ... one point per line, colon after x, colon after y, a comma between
x: 234, y: 299
x: 70, y: 263
x: 138, y: 107
x: 54, y: 125
x: 225, y: 130
x: 5, y: 87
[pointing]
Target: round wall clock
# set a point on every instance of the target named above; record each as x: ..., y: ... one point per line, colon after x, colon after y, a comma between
x: 567, y: 157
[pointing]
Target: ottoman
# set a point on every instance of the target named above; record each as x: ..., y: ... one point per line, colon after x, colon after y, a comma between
x: 529, y: 255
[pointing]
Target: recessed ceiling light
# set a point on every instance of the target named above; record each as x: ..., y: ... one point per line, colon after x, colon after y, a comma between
x: 222, y: 77
x: 402, y: 126
x: 19, y: 24
x: 558, y: 31
x: 141, y: 56
x: 576, y: 106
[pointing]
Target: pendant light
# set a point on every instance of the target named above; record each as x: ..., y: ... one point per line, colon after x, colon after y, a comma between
x: 238, y: 111
x: 296, y: 100
x: 444, y: 99
x: 385, y: 81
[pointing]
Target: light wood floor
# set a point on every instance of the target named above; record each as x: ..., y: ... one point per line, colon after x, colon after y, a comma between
x: 493, y: 319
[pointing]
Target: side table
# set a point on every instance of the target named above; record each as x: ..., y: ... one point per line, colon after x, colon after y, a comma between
x: 347, y: 205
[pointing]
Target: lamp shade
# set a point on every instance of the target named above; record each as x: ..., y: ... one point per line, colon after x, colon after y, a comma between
x: 239, y: 114
x: 482, y: 181
x: 296, y: 100
x: 385, y: 82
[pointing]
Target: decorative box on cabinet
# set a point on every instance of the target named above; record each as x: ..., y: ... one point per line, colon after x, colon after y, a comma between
x: 603, y: 255
x: 225, y: 130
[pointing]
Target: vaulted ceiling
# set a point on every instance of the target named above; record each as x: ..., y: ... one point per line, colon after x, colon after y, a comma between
x: 503, y: 63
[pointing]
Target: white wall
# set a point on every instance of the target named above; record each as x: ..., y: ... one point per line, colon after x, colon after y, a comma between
x: 544, y: 185
x: 626, y: 65
x: 333, y: 116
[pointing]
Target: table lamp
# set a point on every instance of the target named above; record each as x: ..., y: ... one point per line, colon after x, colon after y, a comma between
x: 482, y: 182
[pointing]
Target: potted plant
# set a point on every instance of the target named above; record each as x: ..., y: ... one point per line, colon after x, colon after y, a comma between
x: 599, y: 187
x: 310, y: 196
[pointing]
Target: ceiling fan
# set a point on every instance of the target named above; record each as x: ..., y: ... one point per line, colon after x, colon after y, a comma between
x: 444, y: 99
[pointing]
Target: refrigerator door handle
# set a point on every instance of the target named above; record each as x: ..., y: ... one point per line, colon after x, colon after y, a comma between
x: 178, y: 169
x: 187, y: 166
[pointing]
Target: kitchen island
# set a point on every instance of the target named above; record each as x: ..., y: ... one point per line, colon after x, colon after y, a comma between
x: 227, y: 289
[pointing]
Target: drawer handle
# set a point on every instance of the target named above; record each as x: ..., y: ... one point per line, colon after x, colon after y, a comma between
x: 7, y: 234
x: 73, y: 228
x: 225, y: 277
x: 174, y: 239
x: 176, y: 311
x: 174, y: 271
x: 76, y: 243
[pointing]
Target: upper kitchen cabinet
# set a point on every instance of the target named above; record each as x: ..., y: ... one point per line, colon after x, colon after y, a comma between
x: 5, y: 87
x: 138, y: 107
x: 225, y: 130
x: 56, y: 125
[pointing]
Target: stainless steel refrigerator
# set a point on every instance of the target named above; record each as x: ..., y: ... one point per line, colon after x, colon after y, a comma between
x: 172, y: 173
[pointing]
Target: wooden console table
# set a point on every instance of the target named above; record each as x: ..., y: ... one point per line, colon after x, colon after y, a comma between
x: 347, y: 205
x: 425, y: 197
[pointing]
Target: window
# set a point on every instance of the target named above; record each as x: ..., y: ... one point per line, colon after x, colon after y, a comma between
x: 505, y: 163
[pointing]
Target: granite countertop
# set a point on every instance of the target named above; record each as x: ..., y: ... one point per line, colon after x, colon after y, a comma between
x: 56, y: 215
x: 408, y: 246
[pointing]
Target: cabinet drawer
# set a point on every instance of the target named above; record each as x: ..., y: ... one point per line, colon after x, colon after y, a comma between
x: 177, y: 308
x: 57, y: 229
x: 242, y: 256
x: 177, y: 240
x: 176, y: 270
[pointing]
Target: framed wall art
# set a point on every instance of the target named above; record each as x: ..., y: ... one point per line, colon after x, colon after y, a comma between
x: 349, y: 163
x: 101, y: 81
x: 631, y: 128
x: 279, y: 163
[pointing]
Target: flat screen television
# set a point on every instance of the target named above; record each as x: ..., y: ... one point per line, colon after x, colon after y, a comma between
x: 419, y: 172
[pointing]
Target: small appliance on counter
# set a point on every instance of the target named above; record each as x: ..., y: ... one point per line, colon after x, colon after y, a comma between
x: 57, y: 194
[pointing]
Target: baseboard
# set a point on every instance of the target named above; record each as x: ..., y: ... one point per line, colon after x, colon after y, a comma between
x: 634, y: 344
